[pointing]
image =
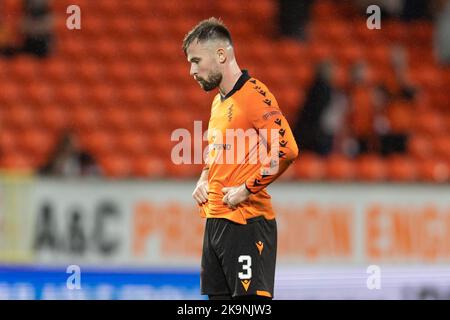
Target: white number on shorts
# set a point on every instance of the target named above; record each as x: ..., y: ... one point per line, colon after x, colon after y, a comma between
x: 247, y: 260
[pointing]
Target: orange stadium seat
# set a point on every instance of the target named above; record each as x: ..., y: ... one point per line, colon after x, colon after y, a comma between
x: 242, y: 30
x: 230, y: 9
x: 370, y: 168
x: 120, y: 72
x: 24, y: 68
x: 10, y: 93
x: 362, y: 112
x: 332, y: 31
x: 98, y: 142
x: 288, y: 175
x: 183, y: 171
x: 149, y: 74
x: 180, y: 118
x: 3, y: 119
x: 264, y: 11
x: 433, y: 170
x: 339, y: 168
x: 147, y: 119
x: 148, y: 166
x: 55, y: 70
x: 89, y: 71
x: 319, y: 51
x: 289, y: 99
x: 20, y: 116
x: 69, y: 94
x: 122, y: 27
x: 107, y: 49
x: 101, y: 95
x: 116, y: 118
x: 17, y: 161
x: 369, y: 38
x: 182, y: 26
x: 116, y: 165
x: 309, y: 167
x: 291, y: 51
x: 400, y: 116
x: 53, y: 118
x: 350, y: 52
x: 134, y: 7
x: 421, y: 33
x: 74, y: 49
x: 152, y: 29
x: 378, y: 55
x: 426, y: 76
x: 38, y: 93
x: 37, y: 142
x: 132, y: 143
x: 430, y: 122
x: 446, y: 120
x: 108, y: 8
x: 8, y: 140
x: 93, y: 27
x: 395, y: 31
x: 170, y: 51
x: 402, y: 169
x: 420, y: 146
x: 323, y: 10
x: 138, y: 50
x: 439, y: 100
x: 441, y: 145
x: 160, y: 143
x: 133, y: 95
x: 302, y: 75
x: 84, y: 118
x: 180, y: 75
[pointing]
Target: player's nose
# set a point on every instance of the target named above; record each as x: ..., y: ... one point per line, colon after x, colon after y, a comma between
x: 193, y: 71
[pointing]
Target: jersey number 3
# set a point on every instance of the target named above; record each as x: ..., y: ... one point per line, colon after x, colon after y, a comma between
x: 246, y: 267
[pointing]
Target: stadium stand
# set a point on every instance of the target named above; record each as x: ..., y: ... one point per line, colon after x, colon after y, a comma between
x: 122, y: 84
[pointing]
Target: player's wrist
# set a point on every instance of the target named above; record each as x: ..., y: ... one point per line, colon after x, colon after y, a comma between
x: 200, y: 182
x: 245, y: 189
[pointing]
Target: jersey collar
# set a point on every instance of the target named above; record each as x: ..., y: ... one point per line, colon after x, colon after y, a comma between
x: 238, y: 85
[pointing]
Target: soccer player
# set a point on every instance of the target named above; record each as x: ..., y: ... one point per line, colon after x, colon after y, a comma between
x: 240, y: 239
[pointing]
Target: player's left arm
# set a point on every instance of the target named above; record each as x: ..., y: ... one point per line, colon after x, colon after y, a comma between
x: 282, y: 150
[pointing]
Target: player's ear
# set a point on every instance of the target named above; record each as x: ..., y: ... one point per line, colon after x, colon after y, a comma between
x: 221, y: 55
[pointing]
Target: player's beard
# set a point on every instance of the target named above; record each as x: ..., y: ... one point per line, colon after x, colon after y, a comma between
x: 212, y: 82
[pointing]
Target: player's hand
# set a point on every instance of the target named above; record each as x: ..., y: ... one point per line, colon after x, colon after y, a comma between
x: 200, y: 193
x: 233, y: 196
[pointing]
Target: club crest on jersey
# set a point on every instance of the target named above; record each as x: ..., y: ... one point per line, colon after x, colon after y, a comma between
x: 230, y: 113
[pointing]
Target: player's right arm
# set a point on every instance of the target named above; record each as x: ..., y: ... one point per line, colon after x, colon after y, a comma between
x: 200, y: 193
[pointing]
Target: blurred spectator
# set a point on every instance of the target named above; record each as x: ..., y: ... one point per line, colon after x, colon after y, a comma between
x: 36, y: 31
x: 407, y: 10
x: 37, y: 27
x: 293, y: 17
x: 334, y: 124
x: 442, y: 32
x: 389, y: 8
x: 308, y: 130
x: 3, y: 36
x: 69, y: 161
x: 7, y: 46
x: 397, y: 96
x: 361, y: 113
x: 415, y: 9
x: 399, y: 85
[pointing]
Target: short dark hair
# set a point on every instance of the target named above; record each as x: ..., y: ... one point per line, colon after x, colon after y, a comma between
x: 208, y: 29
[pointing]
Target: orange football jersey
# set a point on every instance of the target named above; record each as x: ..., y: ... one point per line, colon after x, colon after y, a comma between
x: 249, y: 142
